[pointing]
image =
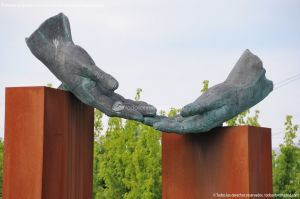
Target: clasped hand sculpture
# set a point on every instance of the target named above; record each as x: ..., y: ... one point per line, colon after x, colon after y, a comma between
x: 245, y: 86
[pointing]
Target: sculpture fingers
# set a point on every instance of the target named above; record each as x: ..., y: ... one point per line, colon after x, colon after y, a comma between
x: 102, y: 78
x: 122, y: 110
x: 77, y: 61
x: 90, y: 94
x: 245, y: 86
x: 195, y: 124
x: 150, y: 121
x: 115, y: 109
x: 208, y: 120
x: 213, y: 98
x: 117, y: 106
x: 93, y: 96
x: 142, y: 107
x: 169, y: 125
x: 110, y: 103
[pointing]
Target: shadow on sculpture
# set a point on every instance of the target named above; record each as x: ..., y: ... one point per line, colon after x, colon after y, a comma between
x: 245, y: 86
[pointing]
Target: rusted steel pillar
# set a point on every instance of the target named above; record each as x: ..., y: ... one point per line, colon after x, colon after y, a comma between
x: 48, y: 145
x: 219, y: 163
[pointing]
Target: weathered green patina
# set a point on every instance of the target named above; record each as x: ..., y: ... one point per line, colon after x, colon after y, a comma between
x: 245, y: 86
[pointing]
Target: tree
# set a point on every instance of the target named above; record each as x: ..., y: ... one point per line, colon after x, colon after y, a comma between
x: 205, y: 86
x: 244, y: 118
x: 113, y: 159
x: 144, y: 170
x: 127, y: 160
x: 173, y: 112
x: 287, y: 166
x: 98, y: 183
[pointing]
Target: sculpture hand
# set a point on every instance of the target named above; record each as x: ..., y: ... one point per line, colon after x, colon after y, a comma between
x: 52, y: 44
x: 113, y: 104
x: 245, y: 86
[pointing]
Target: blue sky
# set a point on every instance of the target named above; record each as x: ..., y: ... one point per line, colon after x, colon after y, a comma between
x: 167, y: 48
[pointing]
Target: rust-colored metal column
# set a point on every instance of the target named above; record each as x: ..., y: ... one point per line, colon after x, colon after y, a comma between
x: 219, y: 163
x: 48, y: 145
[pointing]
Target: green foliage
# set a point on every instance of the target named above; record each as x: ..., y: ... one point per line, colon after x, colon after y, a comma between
x: 290, y: 131
x: 205, y: 86
x: 273, y: 163
x: 138, y: 94
x: 127, y: 160
x: 162, y: 112
x: 173, y: 112
x: 286, y: 166
x: 50, y: 85
x: 244, y: 118
x: 98, y: 150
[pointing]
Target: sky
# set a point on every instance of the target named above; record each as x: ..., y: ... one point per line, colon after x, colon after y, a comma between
x: 167, y: 48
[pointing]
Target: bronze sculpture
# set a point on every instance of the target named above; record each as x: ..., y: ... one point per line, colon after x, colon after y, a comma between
x: 245, y: 86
